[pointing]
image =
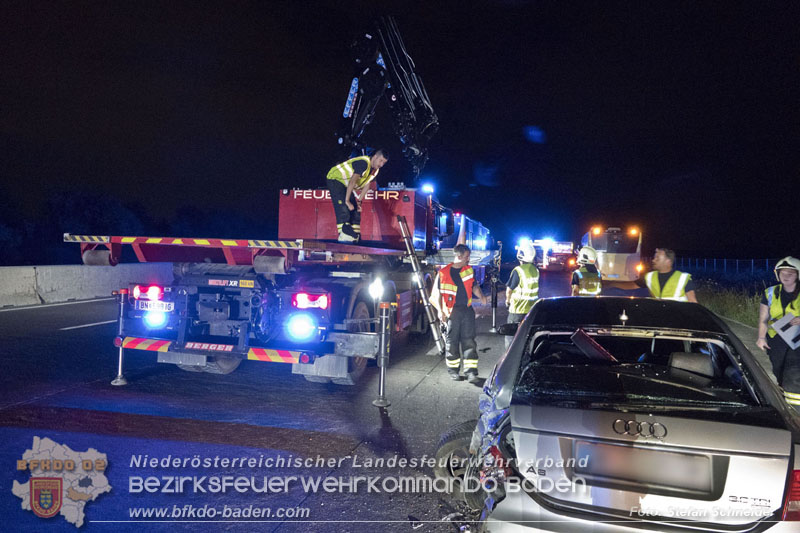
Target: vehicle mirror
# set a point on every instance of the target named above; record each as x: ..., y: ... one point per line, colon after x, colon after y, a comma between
x: 508, y: 329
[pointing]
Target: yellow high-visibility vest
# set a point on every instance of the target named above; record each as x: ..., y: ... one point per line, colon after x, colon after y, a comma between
x: 525, y: 294
x: 588, y: 282
x: 344, y: 171
x: 674, y: 288
x: 776, y: 309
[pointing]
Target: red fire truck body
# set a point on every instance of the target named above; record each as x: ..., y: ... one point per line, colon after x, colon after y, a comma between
x: 302, y: 299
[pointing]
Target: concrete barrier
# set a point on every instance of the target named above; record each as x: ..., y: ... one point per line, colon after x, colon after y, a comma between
x: 50, y: 284
x: 18, y: 286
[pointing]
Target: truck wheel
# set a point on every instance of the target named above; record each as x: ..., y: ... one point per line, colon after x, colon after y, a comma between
x: 190, y: 368
x: 222, y: 364
x: 355, y: 365
x: 453, y: 456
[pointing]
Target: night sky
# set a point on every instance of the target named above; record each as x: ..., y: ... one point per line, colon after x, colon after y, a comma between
x: 681, y: 118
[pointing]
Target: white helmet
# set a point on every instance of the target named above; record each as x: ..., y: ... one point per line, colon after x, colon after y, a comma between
x: 787, y: 262
x: 587, y: 256
x: 526, y: 252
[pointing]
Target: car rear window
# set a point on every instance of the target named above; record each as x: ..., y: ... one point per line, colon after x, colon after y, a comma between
x: 644, y: 371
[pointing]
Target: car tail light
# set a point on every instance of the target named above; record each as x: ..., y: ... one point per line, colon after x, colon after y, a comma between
x: 633, y: 232
x: 791, y: 507
x: 571, y: 262
x: 151, y: 292
x: 596, y: 230
x: 117, y: 342
x: 496, y: 466
x: 303, y: 300
x: 639, y: 267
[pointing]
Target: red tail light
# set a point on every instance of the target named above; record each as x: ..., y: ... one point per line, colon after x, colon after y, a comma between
x: 791, y: 507
x: 303, y: 300
x: 152, y: 292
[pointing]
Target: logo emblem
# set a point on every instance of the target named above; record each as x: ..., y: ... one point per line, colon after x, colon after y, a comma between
x: 646, y: 430
x: 46, y: 496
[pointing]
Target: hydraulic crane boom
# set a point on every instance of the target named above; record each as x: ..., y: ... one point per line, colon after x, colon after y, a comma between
x: 383, y: 68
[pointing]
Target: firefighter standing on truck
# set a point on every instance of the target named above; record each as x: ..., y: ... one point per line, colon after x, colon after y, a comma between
x: 452, y: 296
x: 776, y: 302
x: 522, y: 288
x: 348, y: 183
x: 586, y: 279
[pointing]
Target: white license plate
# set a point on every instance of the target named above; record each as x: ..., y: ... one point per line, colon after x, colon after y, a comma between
x: 154, y: 305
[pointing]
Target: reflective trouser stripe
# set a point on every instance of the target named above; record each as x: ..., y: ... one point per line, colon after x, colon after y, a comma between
x: 470, y: 363
x: 453, y: 363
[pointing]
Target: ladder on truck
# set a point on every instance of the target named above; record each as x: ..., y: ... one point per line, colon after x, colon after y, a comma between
x: 433, y: 318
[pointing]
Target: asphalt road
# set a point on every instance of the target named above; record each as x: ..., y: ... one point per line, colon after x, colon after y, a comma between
x: 58, y: 362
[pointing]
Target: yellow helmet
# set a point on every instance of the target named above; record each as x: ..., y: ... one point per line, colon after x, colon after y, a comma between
x: 787, y: 262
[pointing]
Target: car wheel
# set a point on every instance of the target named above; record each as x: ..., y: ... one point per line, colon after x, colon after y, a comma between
x: 453, y: 456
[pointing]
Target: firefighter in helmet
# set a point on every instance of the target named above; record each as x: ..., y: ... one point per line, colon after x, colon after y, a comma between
x: 779, y: 300
x: 522, y: 288
x: 586, y: 279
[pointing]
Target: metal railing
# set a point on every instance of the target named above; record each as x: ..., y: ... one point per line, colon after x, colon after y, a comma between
x: 727, y: 266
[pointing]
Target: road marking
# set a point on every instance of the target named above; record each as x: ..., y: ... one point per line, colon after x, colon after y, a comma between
x: 88, y: 325
x: 54, y: 305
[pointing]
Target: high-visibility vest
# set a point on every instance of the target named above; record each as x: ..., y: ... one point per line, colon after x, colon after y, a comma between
x: 776, y: 309
x: 344, y: 171
x: 588, y: 282
x: 525, y: 294
x: 674, y: 288
x: 448, y: 288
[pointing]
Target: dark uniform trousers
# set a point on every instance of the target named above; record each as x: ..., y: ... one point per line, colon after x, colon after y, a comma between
x: 461, y: 333
x: 785, y: 363
x: 344, y: 217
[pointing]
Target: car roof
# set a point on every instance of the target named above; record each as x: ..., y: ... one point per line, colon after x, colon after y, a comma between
x: 641, y: 312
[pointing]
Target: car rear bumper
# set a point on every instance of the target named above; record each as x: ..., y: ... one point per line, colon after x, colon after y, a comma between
x: 519, y: 513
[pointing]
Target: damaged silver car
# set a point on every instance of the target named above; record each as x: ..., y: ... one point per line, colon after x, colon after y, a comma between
x: 621, y: 414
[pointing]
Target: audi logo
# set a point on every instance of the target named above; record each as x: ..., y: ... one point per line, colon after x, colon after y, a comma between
x: 634, y: 428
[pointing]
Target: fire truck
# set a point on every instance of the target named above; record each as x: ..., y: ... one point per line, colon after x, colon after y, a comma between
x: 303, y: 298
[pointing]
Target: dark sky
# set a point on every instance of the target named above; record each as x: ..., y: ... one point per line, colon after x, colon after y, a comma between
x: 681, y: 118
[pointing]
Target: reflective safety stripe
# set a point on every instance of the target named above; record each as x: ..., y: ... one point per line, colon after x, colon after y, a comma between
x: 588, y: 282
x: 449, y: 289
x: 674, y: 289
x: 776, y: 309
x: 524, y: 295
x: 344, y: 171
x: 470, y: 363
x: 453, y: 363
x: 791, y: 398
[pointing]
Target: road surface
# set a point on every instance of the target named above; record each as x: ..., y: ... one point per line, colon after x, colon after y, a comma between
x: 59, y: 361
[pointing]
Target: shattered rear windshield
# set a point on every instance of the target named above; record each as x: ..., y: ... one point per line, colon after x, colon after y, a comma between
x: 646, y: 371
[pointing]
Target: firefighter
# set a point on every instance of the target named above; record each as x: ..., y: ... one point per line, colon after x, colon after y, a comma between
x: 586, y: 279
x: 668, y: 284
x: 775, y: 303
x: 348, y: 183
x: 522, y: 288
x: 452, y: 296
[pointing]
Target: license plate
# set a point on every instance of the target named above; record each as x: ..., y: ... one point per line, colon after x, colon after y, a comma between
x: 612, y: 276
x: 151, y: 305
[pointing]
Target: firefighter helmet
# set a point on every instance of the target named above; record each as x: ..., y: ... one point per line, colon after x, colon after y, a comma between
x: 587, y: 256
x: 526, y: 252
x: 787, y: 262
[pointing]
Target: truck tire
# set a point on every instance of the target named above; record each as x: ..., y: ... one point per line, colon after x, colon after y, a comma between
x: 454, y: 444
x: 219, y: 364
x: 355, y: 365
x: 222, y: 364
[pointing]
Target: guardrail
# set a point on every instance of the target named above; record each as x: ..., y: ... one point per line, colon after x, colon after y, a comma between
x: 30, y: 285
x: 728, y: 266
